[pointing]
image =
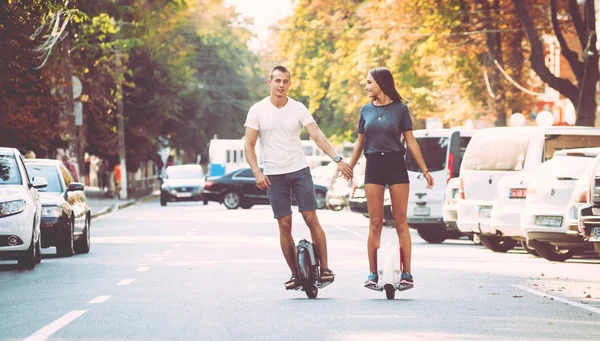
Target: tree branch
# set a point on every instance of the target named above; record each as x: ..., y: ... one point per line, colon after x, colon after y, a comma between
x: 536, y: 57
x: 571, y: 56
x: 577, y: 22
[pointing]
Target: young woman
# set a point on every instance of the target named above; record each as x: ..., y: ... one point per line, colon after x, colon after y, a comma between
x: 381, y: 124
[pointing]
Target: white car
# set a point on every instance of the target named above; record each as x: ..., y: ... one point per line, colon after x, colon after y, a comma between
x: 505, y: 228
x: 450, y: 206
x: 554, y: 197
x: 588, y: 186
x: 495, y: 153
x: 20, y: 211
x: 443, y: 151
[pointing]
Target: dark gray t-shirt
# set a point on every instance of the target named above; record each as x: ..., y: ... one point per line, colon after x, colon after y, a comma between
x: 382, y: 126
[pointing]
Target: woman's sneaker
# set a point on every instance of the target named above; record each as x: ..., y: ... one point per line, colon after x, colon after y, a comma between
x: 372, y: 280
x: 406, y: 281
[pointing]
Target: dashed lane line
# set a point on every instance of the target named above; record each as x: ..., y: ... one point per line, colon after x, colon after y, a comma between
x: 142, y: 269
x: 126, y: 281
x: 559, y: 299
x: 100, y: 299
x: 168, y: 251
x: 157, y: 259
x: 55, y: 326
x: 359, y: 235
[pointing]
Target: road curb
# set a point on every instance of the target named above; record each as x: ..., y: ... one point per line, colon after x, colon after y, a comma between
x: 122, y: 205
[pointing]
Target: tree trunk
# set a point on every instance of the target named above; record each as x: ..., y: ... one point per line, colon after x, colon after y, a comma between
x: 586, y: 105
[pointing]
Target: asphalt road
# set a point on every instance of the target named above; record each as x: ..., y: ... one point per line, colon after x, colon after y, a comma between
x: 194, y: 272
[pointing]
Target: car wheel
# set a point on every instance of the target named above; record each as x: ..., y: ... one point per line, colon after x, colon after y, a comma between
x: 65, y: 246
x: 337, y: 208
x: 247, y: 206
x: 551, y: 252
x: 163, y: 201
x: 38, y: 252
x: 433, y: 234
x: 497, y: 244
x: 320, y: 200
x: 83, y: 243
x: 205, y: 202
x: 28, y: 259
x: 231, y: 200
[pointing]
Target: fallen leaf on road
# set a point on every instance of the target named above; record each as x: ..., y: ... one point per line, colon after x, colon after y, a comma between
x: 517, y: 296
x: 589, y: 296
x: 542, y: 274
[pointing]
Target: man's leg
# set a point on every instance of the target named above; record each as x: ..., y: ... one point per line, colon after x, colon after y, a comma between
x: 318, y: 235
x: 288, y: 247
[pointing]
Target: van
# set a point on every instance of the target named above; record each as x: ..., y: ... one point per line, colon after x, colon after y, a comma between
x: 443, y: 151
x: 495, y: 153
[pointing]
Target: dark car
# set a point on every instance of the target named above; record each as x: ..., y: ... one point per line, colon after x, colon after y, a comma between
x: 589, y: 221
x: 238, y: 189
x: 66, y: 214
x: 182, y: 183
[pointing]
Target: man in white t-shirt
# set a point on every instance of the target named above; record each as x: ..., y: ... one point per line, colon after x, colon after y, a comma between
x: 277, y: 122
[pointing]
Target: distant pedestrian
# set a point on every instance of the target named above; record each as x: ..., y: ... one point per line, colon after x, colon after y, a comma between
x: 30, y: 154
x: 86, y: 169
x: 170, y: 161
x: 66, y: 160
x: 117, y: 179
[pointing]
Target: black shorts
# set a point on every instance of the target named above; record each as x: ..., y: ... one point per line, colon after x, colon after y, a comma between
x: 387, y: 168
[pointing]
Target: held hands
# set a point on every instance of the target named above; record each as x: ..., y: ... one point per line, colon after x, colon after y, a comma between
x: 345, y: 170
x: 262, y: 181
x: 429, y: 179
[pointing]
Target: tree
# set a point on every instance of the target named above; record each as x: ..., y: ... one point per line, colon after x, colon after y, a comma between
x: 581, y: 92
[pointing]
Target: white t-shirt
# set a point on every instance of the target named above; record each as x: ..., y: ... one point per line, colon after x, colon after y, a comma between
x: 279, y: 134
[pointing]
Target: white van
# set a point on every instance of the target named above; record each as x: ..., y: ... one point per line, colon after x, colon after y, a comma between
x: 494, y: 153
x: 443, y: 151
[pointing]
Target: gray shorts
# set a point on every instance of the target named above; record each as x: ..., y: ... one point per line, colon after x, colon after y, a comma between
x: 299, y: 183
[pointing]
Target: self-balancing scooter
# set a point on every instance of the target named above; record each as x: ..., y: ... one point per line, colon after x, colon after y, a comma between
x: 388, y: 271
x: 309, y: 269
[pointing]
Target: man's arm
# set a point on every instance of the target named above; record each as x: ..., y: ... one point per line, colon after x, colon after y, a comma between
x: 322, y: 142
x: 250, y: 139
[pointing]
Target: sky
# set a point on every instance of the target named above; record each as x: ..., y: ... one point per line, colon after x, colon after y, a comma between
x: 264, y: 12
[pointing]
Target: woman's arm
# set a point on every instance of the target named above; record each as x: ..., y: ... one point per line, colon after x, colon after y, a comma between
x: 358, y: 149
x: 414, y: 149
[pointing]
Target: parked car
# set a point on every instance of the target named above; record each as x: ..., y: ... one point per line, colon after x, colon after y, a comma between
x: 449, y: 209
x: 20, y: 210
x: 338, y: 195
x: 182, y: 183
x: 66, y: 214
x: 550, y: 219
x: 519, y: 149
x: 238, y: 189
x: 589, y: 214
x: 443, y: 150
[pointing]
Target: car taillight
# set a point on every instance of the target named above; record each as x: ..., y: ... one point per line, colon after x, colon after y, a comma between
x: 517, y: 193
x: 581, y: 195
x: 580, y: 225
x: 450, y: 166
x: 461, y: 189
x: 208, y: 184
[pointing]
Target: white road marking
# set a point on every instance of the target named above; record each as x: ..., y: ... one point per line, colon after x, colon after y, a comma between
x: 126, y: 281
x: 142, y: 269
x: 55, y: 326
x: 169, y: 251
x: 157, y: 259
x: 559, y: 299
x: 100, y: 299
x: 350, y: 231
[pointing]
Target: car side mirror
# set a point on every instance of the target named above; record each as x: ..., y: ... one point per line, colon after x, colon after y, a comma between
x: 75, y: 186
x: 39, y: 182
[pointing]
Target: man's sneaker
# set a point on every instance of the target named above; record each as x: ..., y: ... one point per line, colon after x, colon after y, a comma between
x: 406, y: 281
x: 372, y: 280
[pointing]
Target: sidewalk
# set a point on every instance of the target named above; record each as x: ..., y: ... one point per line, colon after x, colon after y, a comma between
x: 99, y: 204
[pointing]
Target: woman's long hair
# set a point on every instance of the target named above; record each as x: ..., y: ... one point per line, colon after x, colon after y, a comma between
x: 385, y: 80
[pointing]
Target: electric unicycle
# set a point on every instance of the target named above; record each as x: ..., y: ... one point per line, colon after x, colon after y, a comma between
x: 309, y: 269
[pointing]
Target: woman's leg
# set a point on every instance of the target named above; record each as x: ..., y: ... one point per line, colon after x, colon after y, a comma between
x: 399, y: 195
x: 374, y: 195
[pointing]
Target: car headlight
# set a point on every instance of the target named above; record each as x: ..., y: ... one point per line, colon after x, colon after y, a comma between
x: 164, y: 187
x: 51, y: 211
x: 11, y: 207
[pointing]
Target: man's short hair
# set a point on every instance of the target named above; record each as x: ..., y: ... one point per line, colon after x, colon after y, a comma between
x: 280, y: 68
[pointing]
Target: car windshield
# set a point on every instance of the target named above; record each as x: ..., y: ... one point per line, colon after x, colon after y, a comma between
x: 554, y: 142
x: 510, y: 156
x: 9, y: 173
x: 434, y: 150
x: 175, y: 172
x: 49, y: 172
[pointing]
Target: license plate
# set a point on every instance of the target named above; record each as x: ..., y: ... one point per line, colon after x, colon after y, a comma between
x: 422, y: 211
x: 548, y: 221
x: 485, y: 211
x: 184, y: 195
x: 595, y: 235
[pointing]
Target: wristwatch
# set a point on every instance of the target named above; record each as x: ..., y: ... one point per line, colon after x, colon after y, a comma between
x: 337, y: 159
